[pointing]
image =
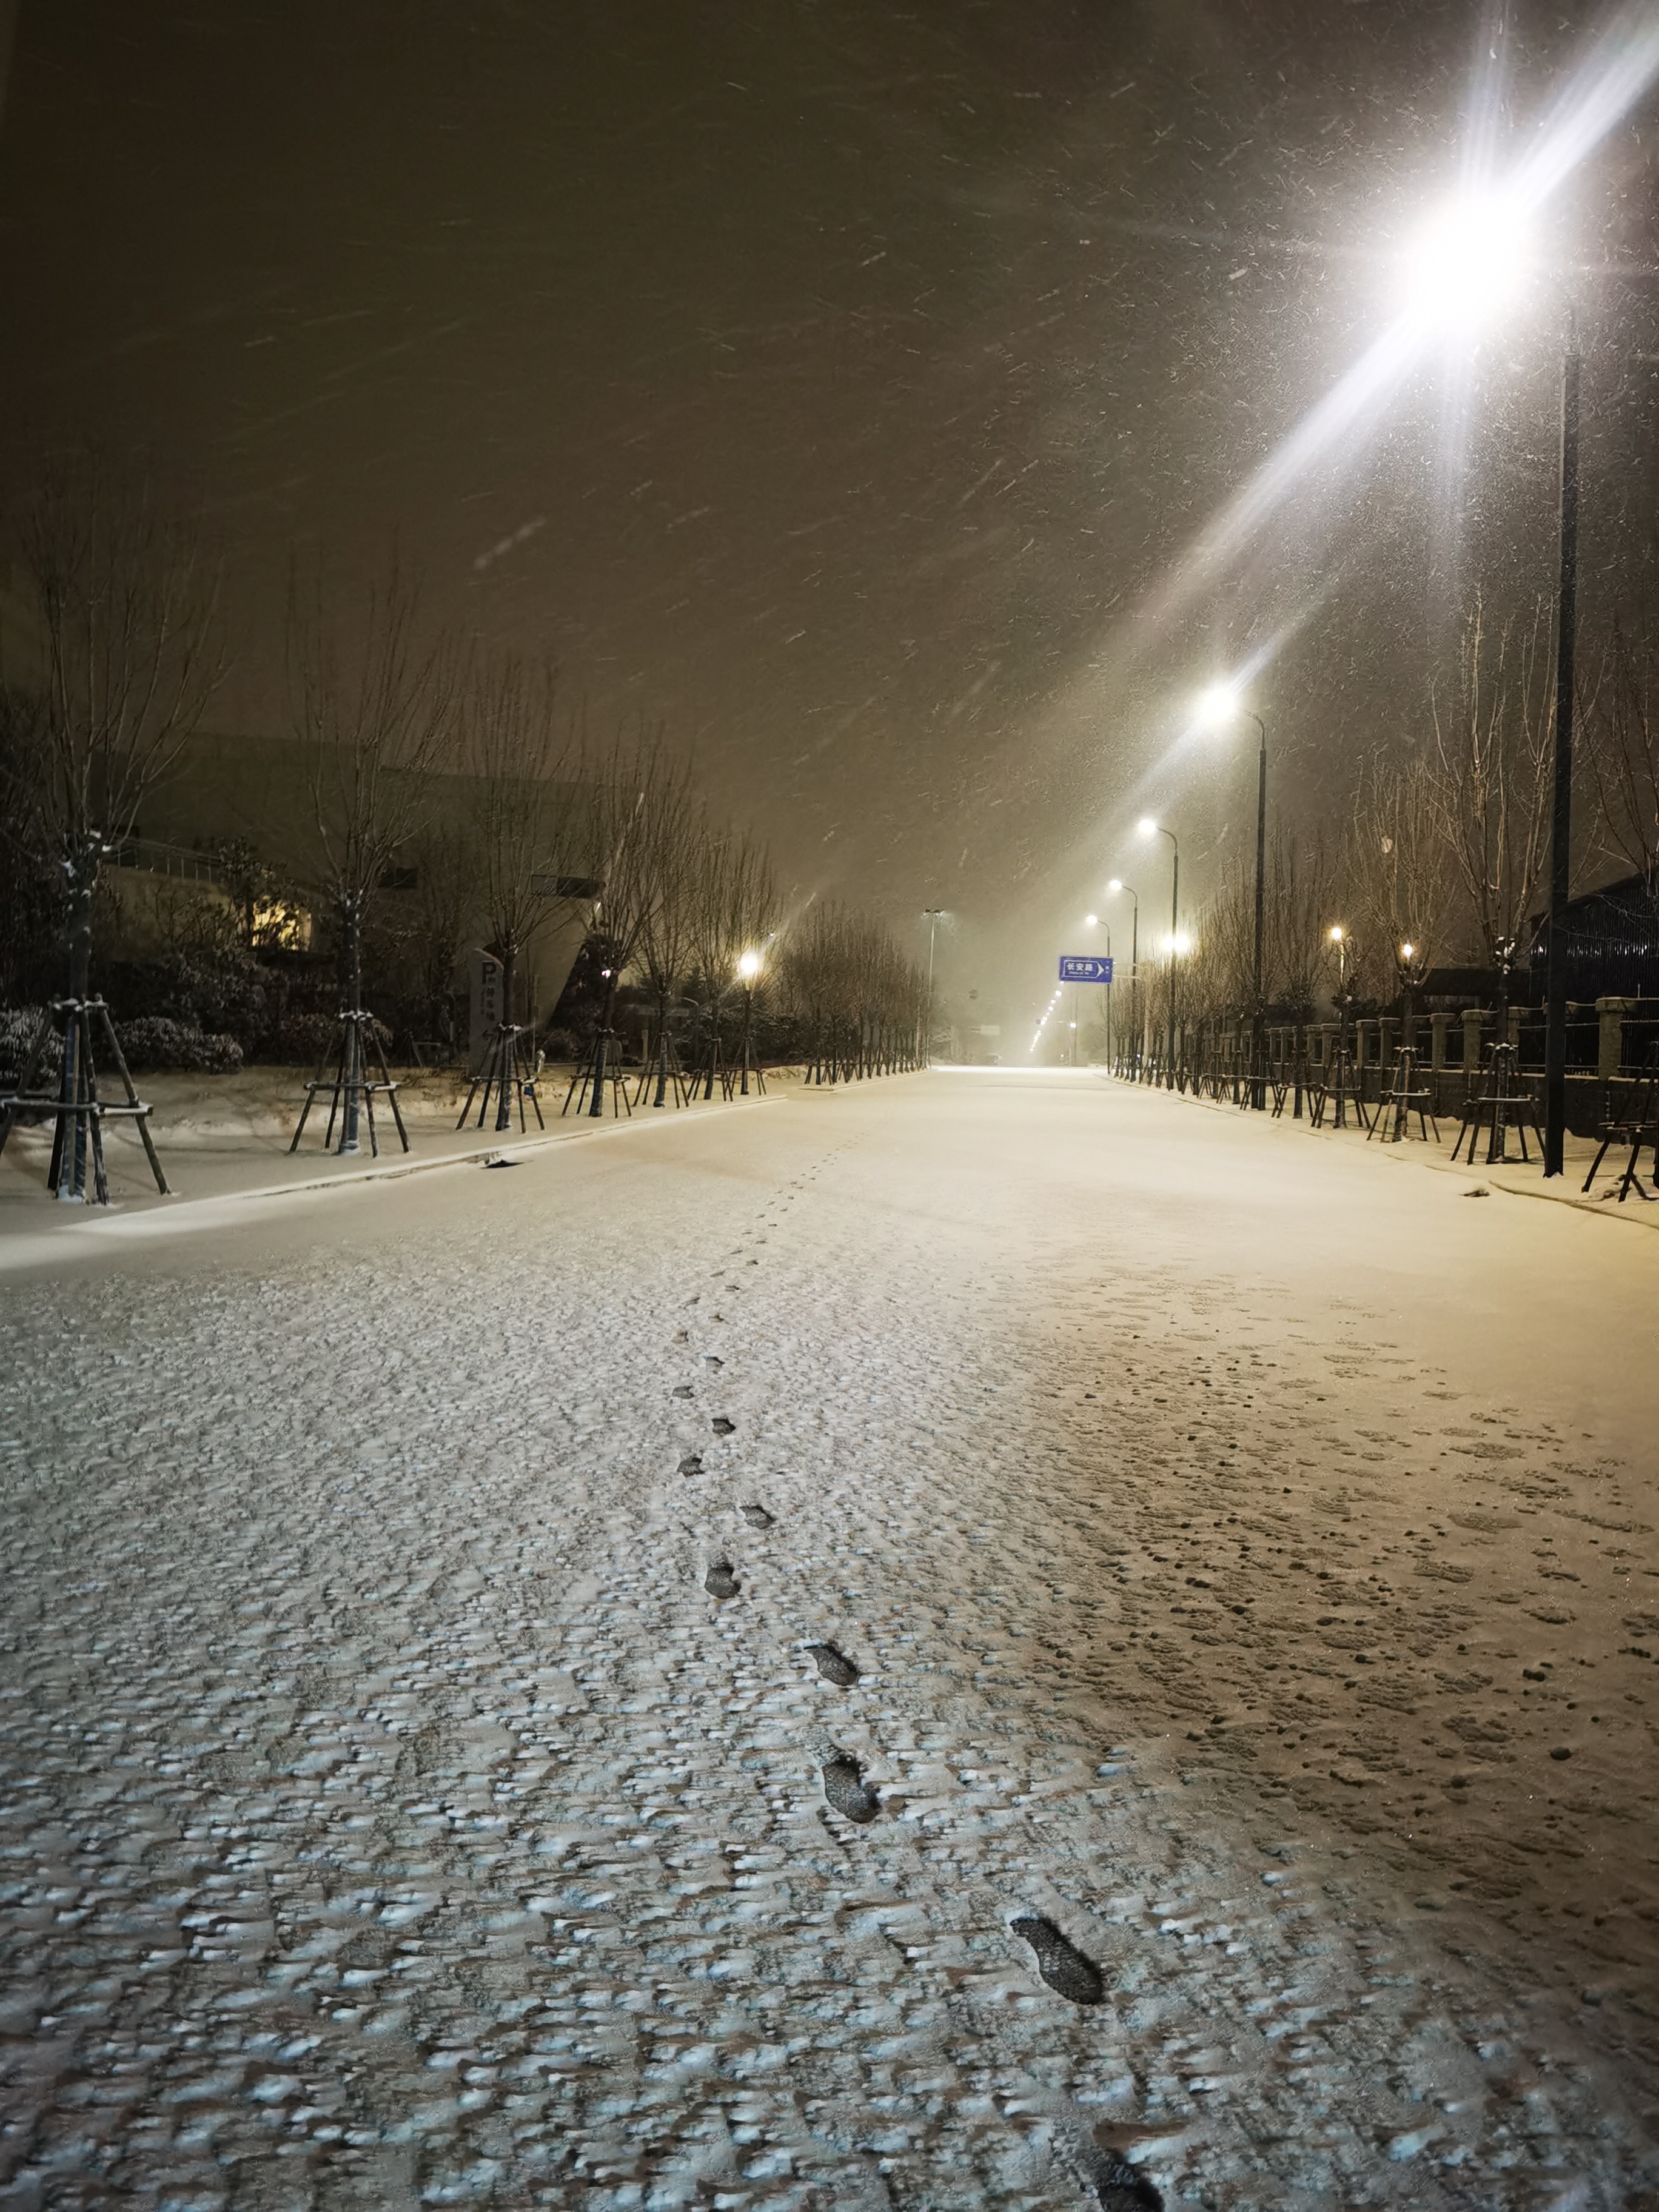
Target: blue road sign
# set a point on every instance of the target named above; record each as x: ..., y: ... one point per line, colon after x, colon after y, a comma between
x: 1084, y: 967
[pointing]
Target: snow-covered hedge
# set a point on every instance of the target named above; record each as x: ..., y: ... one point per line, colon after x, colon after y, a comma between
x: 154, y: 1042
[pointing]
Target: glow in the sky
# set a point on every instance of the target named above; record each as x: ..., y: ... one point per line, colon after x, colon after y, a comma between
x: 1475, y: 252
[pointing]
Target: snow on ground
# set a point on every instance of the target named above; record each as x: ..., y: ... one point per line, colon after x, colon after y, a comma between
x: 1244, y: 1542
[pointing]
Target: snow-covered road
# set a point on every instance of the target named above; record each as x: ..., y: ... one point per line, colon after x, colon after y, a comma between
x: 421, y: 1786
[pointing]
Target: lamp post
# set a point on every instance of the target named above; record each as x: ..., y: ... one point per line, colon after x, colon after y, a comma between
x: 1474, y: 259
x: 1338, y: 937
x: 1566, y: 622
x: 1221, y: 703
x: 931, y: 915
x: 1092, y: 920
x: 1151, y: 828
x: 749, y: 968
x: 1115, y: 885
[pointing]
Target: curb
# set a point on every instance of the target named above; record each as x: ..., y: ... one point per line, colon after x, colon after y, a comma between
x: 33, y: 1247
x: 1604, y: 1209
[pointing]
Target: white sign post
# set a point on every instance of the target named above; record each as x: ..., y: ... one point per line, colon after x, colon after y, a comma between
x: 484, y: 977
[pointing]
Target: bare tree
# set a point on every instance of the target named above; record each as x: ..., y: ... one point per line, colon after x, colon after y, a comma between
x: 861, y: 1002
x: 526, y: 827
x: 734, y: 904
x: 630, y: 788
x: 446, y: 894
x: 1397, y: 874
x: 675, y: 842
x: 1494, y: 743
x: 378, y: 715
x: 123, y: 608
x: 1300, y: 891
x: 1622, y: 725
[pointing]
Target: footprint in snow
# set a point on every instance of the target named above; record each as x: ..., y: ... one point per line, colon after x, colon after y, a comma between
x: 835, y: 1665
x: 721, y: 1426
x: 756, y: 1517
x: 683, y: 1390
x: 719, y: 1581
x: 847, y: 1791
x: 1061, y: 1964
x: 692, y: 1463
x: 713, y: 1359
x: 1119, y: 2188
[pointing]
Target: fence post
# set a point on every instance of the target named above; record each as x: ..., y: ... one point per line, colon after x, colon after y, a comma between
x: 1610, y: 1039
x: 1438, y: 1040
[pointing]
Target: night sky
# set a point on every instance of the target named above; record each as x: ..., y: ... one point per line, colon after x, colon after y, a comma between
x: 842, y: 385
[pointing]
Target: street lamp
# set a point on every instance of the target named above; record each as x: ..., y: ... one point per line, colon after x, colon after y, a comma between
x: 1117, y: 885
x: 1148, y: 827
x: 1471, y: 262
x: 931, y: 915
x: 750, y: 964
x: 1218, y: 706
x: 1468, y: 262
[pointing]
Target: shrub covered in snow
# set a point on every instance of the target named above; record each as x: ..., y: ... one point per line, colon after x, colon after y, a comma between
x: 153, y: 1042
x: 18, y: 1026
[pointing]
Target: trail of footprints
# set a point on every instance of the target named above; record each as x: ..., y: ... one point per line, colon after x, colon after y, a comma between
x: 1119, y: 2186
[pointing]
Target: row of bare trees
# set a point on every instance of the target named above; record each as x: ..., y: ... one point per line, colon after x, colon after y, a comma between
x: 427, y: 758
x: 1445, y: 845
x: 861, y: 1004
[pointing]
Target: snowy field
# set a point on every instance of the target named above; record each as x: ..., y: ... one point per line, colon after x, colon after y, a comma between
x: 421, y: 1786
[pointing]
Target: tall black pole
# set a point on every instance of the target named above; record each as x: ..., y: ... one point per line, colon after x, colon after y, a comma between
x: 1258, y: 1086
x: 933, y: 914
x: 1555, y: 1035
x: 1175, y: 909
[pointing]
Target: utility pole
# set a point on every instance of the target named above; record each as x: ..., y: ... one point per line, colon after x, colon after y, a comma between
x: 1555, y: 1032
x: 1258, y: 1073
x: 932, y: 914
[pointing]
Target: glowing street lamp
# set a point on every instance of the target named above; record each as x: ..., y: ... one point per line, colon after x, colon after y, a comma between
x: 750, y: 964
x: 1469, y: 261
x: 1148, y: 827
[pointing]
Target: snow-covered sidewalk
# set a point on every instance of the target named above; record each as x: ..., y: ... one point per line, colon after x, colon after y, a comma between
x: 424, y: 1782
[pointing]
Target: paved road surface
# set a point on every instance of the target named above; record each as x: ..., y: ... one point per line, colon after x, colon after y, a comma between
x: 423, y: 1788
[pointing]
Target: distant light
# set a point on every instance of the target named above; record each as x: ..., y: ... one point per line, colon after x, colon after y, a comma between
x: 1470, y: 262
x: 749, y: 966
x: 1336, y: 933
x: 1219, y: 704
x: 1115, y: 884
x: 1092, y: 922
x: 1146, y: 827
x: 1408, y: 951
